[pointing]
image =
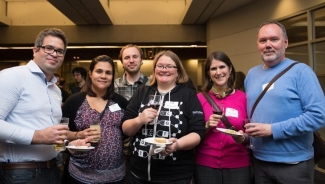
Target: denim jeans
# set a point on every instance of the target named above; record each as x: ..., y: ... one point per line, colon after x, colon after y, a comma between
x: 30, y: 176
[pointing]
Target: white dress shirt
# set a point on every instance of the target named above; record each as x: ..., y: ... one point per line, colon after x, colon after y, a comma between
x: 27, y: 103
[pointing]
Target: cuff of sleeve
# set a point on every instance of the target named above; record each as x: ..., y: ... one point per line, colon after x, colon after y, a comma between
x: 24, y: 137
x: 277, y: 133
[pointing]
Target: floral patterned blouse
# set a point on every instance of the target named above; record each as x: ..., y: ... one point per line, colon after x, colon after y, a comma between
x: 105, y: 163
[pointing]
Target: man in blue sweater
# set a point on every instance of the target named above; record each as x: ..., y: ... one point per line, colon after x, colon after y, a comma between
x: 283, y: 122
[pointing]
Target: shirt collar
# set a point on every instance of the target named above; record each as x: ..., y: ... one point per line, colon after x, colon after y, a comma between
x: 140, y: 80
x: 34, y: 68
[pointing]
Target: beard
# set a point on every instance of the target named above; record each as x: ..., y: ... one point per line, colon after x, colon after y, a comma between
x: 269, y: 58
x: 132, y: 70
x: 276, y: 56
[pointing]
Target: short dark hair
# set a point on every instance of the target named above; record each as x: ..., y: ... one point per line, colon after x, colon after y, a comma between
x: 81, y: 70
x: 110, y: 90
x: 221, y: 56
x: 61, y: 80
x: 51, y: 32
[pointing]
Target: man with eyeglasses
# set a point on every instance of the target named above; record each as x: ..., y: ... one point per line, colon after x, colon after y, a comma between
x: 30, y: 111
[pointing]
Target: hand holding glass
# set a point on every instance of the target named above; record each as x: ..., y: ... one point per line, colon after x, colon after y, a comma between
x: 61, y: 147
x: 154, y: 101
x: 220, y: 110
x: 250, y: 145
x: 95, y: 124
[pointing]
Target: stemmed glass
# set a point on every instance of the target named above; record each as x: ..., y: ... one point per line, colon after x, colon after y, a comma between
x: 154, y: 102
x: 218, y: 111
x: 250, y: 145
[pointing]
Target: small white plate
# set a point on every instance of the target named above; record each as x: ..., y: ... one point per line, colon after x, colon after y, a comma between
x: 151, y: 141
x: 80, y: 148
x: 228, y: 131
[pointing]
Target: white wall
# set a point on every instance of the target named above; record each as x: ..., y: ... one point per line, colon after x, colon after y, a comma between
x: 235, y: 32
x: 3, y: 13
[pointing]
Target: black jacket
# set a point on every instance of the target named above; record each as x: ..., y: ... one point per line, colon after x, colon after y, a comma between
x: 184, y: 116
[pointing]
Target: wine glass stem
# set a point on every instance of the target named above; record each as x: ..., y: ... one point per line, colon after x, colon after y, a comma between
x: 154, y: 127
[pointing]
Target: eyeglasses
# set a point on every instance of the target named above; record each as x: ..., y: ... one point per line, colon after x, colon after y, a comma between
x: 168, y: 67
x: 50, y: 50
x: 76, y: 74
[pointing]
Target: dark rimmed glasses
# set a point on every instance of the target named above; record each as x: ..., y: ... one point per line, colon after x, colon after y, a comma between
x: 48, y: 49
x: 168, y: 67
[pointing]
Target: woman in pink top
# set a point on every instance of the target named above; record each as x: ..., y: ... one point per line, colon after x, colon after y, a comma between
x: 222, y: 158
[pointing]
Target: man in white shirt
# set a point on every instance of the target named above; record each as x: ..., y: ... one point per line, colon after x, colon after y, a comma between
x: 30, y: 111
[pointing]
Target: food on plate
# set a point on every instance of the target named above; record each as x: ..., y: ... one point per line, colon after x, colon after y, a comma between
x: 81, y: 147
x: 230, y: 131
x: 160, y: 140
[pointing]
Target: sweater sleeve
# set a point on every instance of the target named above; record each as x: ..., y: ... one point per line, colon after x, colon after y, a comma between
x: 309, y: 114
x: 71, y: 106
x: 120, y: 100
x: 195, y: 115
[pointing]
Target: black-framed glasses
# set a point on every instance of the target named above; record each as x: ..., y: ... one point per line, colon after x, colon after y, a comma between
x: 50, y: 50
x: 168, y: 67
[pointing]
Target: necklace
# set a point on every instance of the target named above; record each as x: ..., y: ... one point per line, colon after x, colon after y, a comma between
x: 221, y: 94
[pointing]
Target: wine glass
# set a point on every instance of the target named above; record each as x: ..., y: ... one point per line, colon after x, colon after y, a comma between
x: 154, y: 101
x: 250, y: 145
x: 218, y: 110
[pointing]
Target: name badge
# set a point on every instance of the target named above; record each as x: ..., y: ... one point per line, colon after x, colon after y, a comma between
x: 171, y: 105
x: 271, y: 87
x: 114, y: 107
x: 230, y: 112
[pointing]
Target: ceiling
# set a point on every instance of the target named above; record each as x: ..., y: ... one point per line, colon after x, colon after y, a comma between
x: 112, y: 12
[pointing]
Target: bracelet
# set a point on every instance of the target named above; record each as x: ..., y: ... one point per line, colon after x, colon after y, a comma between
x: 76, y: 135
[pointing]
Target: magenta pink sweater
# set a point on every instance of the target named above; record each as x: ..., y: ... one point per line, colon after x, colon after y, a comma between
x: 219, y: 150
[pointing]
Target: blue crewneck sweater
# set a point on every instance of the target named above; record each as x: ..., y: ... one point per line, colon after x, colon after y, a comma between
x: 294, y: 106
